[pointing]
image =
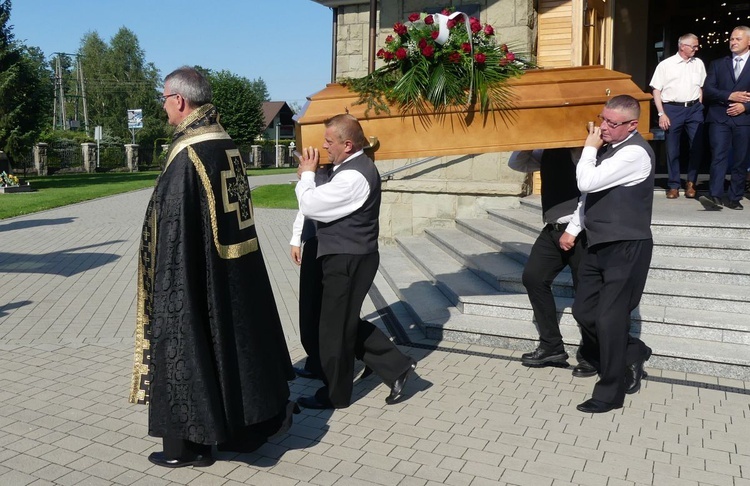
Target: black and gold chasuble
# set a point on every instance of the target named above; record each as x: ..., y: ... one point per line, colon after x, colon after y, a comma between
x: 210, y: 355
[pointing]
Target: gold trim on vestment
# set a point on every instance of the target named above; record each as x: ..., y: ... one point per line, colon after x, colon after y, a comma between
x: 143, y: 342
x: 226, y: 252
x: 200, y: 134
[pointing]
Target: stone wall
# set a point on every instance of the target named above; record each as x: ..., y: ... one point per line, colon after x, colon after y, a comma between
x: 437, y: 192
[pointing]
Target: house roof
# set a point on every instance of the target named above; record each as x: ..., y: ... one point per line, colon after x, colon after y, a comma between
x: 270, y: 110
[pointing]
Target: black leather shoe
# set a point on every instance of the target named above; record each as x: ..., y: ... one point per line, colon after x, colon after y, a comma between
x: 398, y: 386
x: 734, y: 205
x: 596, y: 406
x: 160, y: 459
x: 314, y: 403
x: 303, y: 373
x: 634, y: 373
x: 584, y: 369
x: 544, y: 357
x: 711, y: 203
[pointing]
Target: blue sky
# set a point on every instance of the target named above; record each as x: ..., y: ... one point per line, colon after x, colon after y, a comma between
x: 285, y: 42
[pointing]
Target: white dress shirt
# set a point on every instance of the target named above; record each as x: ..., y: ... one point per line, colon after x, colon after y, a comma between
x: 678, y: 79
x: 340, y: 197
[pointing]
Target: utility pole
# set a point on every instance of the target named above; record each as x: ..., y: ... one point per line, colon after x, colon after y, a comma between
x: 59, y: 113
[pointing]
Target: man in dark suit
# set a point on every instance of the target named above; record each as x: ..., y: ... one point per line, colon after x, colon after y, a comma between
x: 346, y: 209
x: 726, y: 90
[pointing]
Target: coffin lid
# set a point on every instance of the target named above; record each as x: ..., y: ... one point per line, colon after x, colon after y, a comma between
x: 551, y: 109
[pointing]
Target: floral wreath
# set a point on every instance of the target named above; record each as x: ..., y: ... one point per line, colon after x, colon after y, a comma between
x: 8, y: 180
x: 446, y: 59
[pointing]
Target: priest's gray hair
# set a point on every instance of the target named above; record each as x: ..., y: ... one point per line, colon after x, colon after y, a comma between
x: 189, y: 83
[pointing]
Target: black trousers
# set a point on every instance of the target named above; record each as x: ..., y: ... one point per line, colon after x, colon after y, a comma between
x: 611, y: 279
x: 343, y: 335
x: 310, y: 294
x: 545, y: 262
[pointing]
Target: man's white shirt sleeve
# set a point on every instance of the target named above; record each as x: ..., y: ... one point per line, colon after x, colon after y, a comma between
x: 340, y: 197
x: 630, y: 166
x: 299, y: 221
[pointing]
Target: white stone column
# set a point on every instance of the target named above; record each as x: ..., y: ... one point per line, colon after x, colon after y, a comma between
x: 131, y: 154
x: 40, y: 158
x: 89, y: 156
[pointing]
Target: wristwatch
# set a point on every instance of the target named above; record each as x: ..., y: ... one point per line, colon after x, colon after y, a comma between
x: 660, y: 113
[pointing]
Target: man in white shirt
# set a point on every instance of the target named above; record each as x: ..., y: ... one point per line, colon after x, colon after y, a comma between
x: 346, y: 209
x: 616, y: 186
x: 678, y: 96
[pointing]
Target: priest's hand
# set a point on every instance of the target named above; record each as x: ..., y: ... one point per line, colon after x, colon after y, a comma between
x: 296, y: 255
x: 308, y: 161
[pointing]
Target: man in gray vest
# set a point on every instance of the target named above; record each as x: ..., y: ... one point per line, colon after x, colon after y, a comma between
x: 617, y: 192
x: 346, y: 209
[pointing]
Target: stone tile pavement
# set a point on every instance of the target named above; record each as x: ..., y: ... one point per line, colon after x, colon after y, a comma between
x: 476, y: 416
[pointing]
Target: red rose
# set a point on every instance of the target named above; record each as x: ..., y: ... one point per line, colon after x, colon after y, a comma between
x: 389, y: 39
x: 510, y: 56
x: 422, y: 43
x: 399, y: 28
x: 504, y: 61
x: 466, y: 47
x: 446, y: 12
x: 388, y: 56
x: 429, y: 20
x: 476, y: 27
x: 480, y: 58
x: 434, y: 34
x: 488, y: 30
x: 451, y: 23
x: 381, y: 53
x: 454, y: 57
x: 504, y: 48
x: 428, y: 51
x: 414, y: 17
x: 401, y: 53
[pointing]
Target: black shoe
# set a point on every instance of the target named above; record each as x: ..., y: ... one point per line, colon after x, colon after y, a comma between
x: 596, y: 406
x: 303, y: 373
x: 584, y: 369
x: 366, y: 371
x: 159, y: 459
x: 398, y: 386
x: 544, y: 357
x: 634, y: 373
x: 711, y: 203
x: 314, y: 403
x: 734, y: 205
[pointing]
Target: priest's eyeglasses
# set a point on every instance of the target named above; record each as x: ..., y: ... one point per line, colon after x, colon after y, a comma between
x: 163, y: 98
x: 612, y: 124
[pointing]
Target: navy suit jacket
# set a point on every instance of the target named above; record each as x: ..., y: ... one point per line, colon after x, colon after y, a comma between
x: 720, y: 83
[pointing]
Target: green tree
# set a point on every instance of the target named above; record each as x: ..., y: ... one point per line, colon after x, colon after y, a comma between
x: 117, y: 79
x: 240, y: 107
x: 25, y: 90
x: 261, y: 90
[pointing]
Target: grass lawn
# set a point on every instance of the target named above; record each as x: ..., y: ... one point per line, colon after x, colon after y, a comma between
x: 62, y: 189
x: 279, y: 196
x: 272, y: 170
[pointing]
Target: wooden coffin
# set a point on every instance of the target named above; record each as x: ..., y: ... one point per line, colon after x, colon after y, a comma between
x: 551, y: 109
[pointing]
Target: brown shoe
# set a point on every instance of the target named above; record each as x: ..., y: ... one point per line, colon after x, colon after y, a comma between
x: 673, y: 194
x: 690, y: 190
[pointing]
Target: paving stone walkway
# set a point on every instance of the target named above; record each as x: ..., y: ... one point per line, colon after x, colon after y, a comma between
x: 476, y: 416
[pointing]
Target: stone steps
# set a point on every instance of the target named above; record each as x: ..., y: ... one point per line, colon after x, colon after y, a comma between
x: 464, y: 284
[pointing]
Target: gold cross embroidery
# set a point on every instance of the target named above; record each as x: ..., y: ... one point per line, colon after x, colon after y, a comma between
x: 235, y: 190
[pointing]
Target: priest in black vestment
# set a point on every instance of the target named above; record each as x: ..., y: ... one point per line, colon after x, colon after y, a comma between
x: 211, y: 360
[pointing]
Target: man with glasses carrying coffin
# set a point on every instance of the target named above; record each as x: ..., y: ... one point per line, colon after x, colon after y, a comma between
x: 617, y: 186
